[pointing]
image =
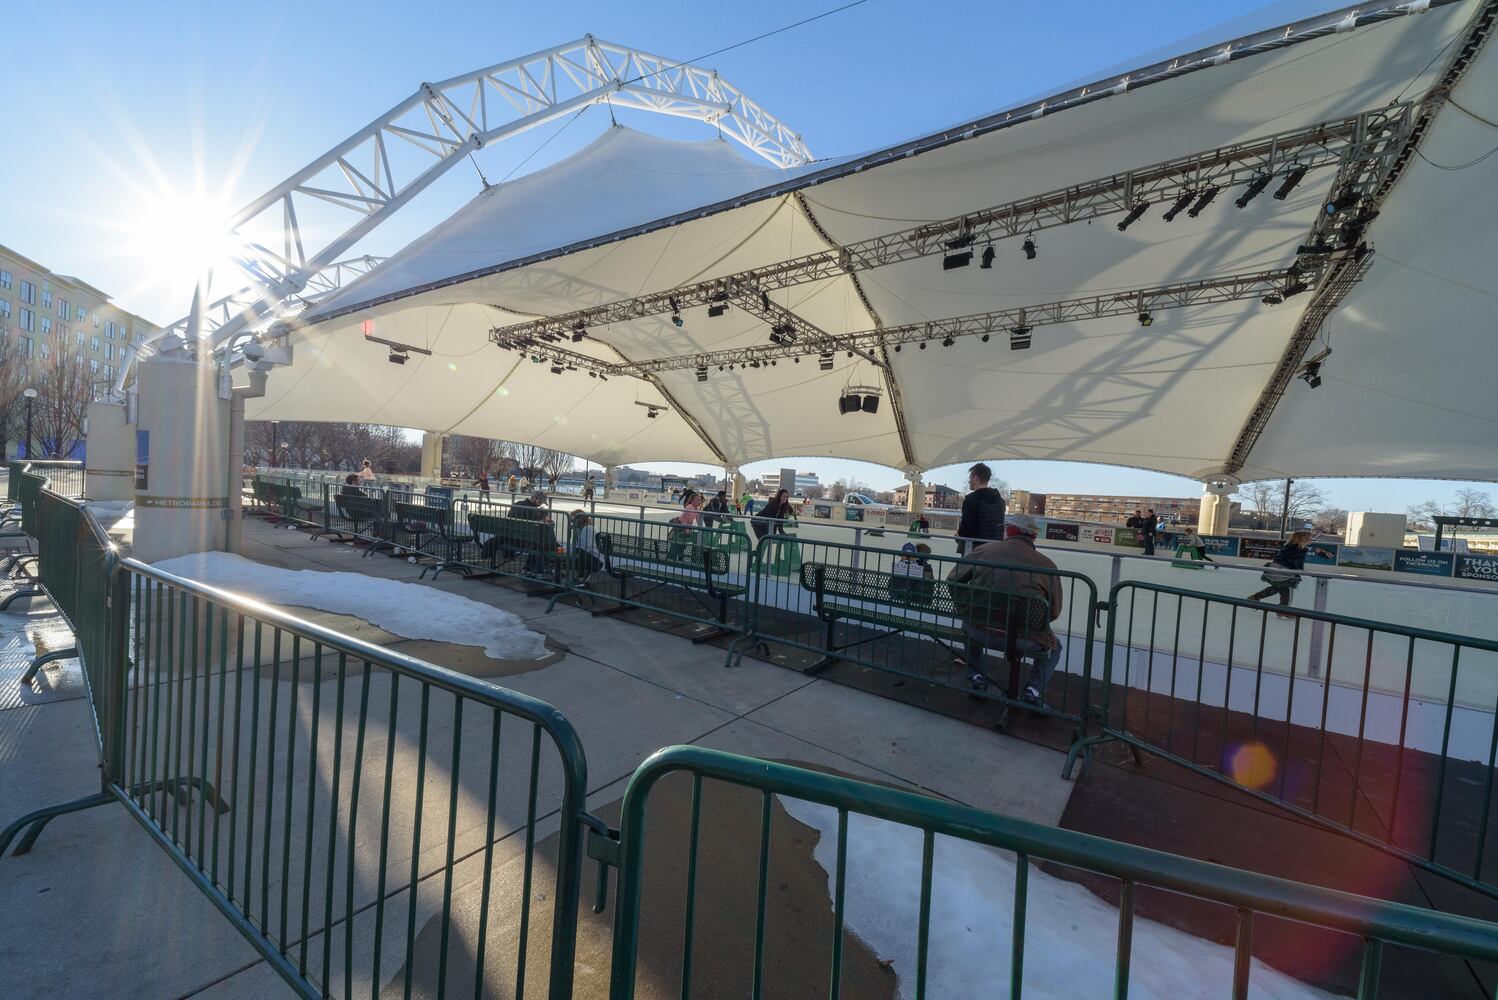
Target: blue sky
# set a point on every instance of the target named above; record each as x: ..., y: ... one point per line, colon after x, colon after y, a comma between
x: 117, y: 108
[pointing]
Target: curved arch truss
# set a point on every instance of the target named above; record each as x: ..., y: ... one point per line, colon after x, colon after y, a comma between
x: 356, y: 185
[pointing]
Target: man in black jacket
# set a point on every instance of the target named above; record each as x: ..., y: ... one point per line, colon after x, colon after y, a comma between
x: 982, y: 509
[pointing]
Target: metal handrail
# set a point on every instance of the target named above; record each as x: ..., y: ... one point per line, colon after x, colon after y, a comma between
x: 1378, y: 922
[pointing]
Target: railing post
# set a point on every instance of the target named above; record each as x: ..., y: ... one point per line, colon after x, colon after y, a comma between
x: 1318, y: 629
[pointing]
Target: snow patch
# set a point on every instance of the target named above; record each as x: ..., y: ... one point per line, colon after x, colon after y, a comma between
x: 406, y: 609
x: 1069, y: 932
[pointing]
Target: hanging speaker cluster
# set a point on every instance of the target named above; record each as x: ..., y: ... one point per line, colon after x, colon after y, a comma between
x: 859, y: 399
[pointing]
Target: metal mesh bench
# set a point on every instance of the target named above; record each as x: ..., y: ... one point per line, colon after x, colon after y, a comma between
x: 685, y: 560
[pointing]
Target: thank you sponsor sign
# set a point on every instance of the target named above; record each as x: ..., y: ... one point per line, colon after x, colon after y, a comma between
x: 1470, y: 567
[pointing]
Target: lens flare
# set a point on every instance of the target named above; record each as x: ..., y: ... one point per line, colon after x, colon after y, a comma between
x: 1252, y: 764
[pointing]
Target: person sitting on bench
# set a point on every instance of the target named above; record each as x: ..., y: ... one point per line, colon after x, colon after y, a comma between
x: 351, y: 486
x: 986, y: 628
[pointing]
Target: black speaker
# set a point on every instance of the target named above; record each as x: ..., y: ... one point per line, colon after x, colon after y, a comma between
x: 848, y: 404
x: 871, y: 404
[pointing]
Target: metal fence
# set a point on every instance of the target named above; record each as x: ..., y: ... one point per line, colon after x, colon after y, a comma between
x: 1383, y: 732
x: 904, y: 613
x: 929, y: 823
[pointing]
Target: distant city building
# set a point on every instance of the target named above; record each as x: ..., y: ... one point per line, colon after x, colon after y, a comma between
x: 43, y: 314
x: 937, y: 497
x: 1110, y: 509
x: 1021, y: 502
x: 806, y: 480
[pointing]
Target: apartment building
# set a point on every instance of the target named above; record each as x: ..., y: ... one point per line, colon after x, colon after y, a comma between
x: 44, y: 315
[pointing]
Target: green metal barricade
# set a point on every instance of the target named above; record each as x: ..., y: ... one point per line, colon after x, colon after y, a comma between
x: 859, y: 805
x: 1381, y: 732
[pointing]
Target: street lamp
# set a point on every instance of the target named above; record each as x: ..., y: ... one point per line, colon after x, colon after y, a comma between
x: 275, y: 436
x: 30, y: 394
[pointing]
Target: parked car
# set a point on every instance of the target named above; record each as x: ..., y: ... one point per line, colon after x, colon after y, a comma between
x: 865, y: 501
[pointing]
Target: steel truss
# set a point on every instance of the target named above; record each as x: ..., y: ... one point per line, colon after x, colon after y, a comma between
x: 444, y: 122
x: 1327, y: 144
x: 1206, y: 291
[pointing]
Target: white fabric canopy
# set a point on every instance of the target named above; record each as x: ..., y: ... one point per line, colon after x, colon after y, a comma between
x: 1405, y: 391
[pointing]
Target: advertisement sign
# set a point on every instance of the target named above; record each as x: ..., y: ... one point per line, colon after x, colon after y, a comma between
x: 439, y: 496
x: 1322, y: 554
x: 1060, y: 531
x: 851, y: 513
x: 142, y: 459
x: 1094, y: 533
x: 634, y: 494
x: 823, y: 510
x: 1258, y: 548
x: 1221, y: 545
x: 1477, y: 567
x: 1424, y: 563
x: 1363, y: 557
x: 897, y: 518
x: 1126, y: 536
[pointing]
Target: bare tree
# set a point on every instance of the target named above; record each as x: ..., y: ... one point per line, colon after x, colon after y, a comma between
x: 478, y: 455
x: 315, y: 445
x: 814, y: 492
x: 1266, y: 500
x: 65, y: 384
x: 1421, y: 514
x: 1330, y: 521
x: 528, y: 458
x: 1467, y: 502
x: 14, y: 377
x: 838, y: 490
x: 555, y: 463
x: 1472, y: 503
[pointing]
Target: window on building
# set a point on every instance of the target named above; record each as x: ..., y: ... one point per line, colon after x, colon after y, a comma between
x: 24, y: 345
x: 46, y: 325
x: 93, y: 343
x: 4, y: 308
x: 96, y: 321
x: 139, y: 337
x: 93, y: 365
x: 109, y: 371
x: 108, y: 330
x: 46, y: 298
x: 28, y: 320
x: 81, y: 314
x: 46, y: 351
x: 62, y: 308
x: 5, y: 279
x: 108, y: 352
x: 28, y: 292
x: 78, y: 337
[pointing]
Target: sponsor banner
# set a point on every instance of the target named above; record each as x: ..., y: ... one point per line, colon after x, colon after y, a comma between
x: 1060, y: 531
x: 1258, y: 548
x: 1221, y: 545
x: 852, y: 513
x: 634, y: 494
x: 182, y: 503
x: 1364, y: 557
x: 1424, y: 563
x: 1126, y: 536
x: 110, y: 472
x: 897, y: 518
x: 823, y: 510
x: 1470, y: 567
x: 142, y: 459
x: 1322, y: 553
x: 1095, y: 534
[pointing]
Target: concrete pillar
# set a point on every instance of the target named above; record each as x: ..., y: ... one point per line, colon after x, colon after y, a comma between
x: 182, y: 435
x: 916, y: 501
x: 431, y: 454
x: 738, y: 484
x: 111, y: 454
x: 234, y: 527
x: 1213, y: 516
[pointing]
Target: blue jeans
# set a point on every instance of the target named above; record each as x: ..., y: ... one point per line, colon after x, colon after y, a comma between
x: 1044, y: 660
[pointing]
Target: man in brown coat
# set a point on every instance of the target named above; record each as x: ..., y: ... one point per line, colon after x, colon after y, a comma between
x: 985, y: 622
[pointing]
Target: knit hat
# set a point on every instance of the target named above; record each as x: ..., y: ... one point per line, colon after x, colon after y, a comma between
x: 1021, y: 524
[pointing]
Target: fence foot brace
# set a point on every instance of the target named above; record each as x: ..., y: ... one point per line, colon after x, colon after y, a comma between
x: 22, y: 594
x: 39, y: 819
x: 14, y: 562
x: 45, y: 658
x: 1080, y: 748
x: 177, y: 787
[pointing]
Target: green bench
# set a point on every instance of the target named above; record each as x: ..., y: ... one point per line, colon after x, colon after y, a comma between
x: 430, y: 526
x: 503, y: 541
x: 933, y: 608
x: 359, y: 516
x: 686, y: 561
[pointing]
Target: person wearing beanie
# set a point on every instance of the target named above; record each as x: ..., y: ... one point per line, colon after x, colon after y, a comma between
x: 1015, y: 566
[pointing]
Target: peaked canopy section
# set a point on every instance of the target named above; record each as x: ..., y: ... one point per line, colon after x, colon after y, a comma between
x: 1161, y: 242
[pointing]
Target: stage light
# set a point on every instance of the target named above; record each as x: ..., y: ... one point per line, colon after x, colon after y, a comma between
x: 1145, y: 319
x: 602, y: 377
x: 897, y: 348
x: 1273, y: 299
x: 1311, y: 374
x: 557, y: 369
x: 947, y: 342
x: 923, y: 345
x: 1133, y: 216
x: 1293, y: 178
x: 952, y: 261
x: 870, y: 403
x: 702, y: 373
x: 849, y: 403
x: 1255, y: 186
x: 764, y: 300
x: 675, y: 310
x: 988, y: 255
x: 1342, y: 202
x: 1203, y: 200
x: 984, y: 338
x: 717, y: 309
x: 1321, y: 246
x: 1029, y: 247
x: 1019, y: 337
x: 398, y: 357
x: 592, y: 374
x: 824, y: 361
x: 579, y: 331
x: 1360, y: 251
x: 652, y: 413
x: 1179, y: 206
x: 783, y: 333
x: 1295, y: 288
